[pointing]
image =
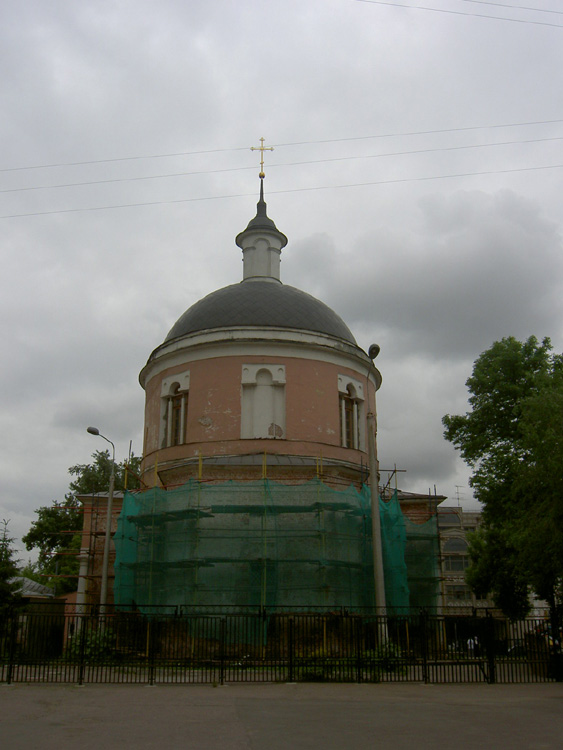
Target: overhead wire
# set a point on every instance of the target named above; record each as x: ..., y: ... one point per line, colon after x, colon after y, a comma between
x: 462, y: 13
x: 512, y: 6
x: 119, y: 158
x: 297, y: 163
x: 289, y: 190
x: 435, y: 131
x: 284, y: 164
x: 399, y: 134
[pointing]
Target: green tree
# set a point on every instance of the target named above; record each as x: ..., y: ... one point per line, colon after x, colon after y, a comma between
x: 31, y: 570
x: 515, y: 387
x: 538, y: 487
x: 9, y: 587
x: 56, y: 531
x: 495, y: 570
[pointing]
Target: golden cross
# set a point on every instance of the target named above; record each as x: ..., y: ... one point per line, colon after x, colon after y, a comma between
x: 261, y: 148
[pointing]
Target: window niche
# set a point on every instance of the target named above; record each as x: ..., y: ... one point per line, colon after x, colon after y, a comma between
x: 352, y: 416
x: 263, y: 401
x: 174, y: 409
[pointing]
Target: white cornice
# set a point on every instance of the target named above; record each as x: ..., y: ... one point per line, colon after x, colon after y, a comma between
x: 257, y: 341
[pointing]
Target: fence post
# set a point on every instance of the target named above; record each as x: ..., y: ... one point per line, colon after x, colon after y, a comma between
x: 82, y: 647
x: 12, y: 629
x: 359, y: 647
x: 556, y: 657
x: 490, y: 647
x: 424, y: 638
x: 290, y: 676
x: 151, y: 640
x: 222, y: 652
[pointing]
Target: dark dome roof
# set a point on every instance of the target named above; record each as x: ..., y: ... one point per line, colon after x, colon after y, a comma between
x: 263, y: 304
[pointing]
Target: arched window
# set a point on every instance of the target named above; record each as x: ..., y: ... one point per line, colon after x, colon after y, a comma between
x: 449, y: 517
x: 352, y: 417
x: 455, y: 544
x: 456, y: 559
x: 349, y: 418
x: 177, y: 415
x: 174, y: 410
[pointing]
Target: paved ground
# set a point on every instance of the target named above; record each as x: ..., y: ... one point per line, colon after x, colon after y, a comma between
x: 276, y: 717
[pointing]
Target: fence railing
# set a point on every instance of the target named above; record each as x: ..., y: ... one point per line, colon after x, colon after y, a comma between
x: 59, y: 643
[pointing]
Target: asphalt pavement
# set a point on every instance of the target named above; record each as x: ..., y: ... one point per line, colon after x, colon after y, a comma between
x: 281, y: 716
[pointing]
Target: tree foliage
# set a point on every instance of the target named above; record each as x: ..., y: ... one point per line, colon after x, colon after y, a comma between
x: 56, y: 531
x: 512, y: 439
x: 9, y: 587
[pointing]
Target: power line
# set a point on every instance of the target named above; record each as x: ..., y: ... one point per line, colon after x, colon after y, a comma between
x: 119, y: 158
x: 290, y: 190
x: 282, y: 145
x: 423, y: 132
x: 462, y: 13
x: 286, y: 164
x: 515, y: 7
x: 128, y: 179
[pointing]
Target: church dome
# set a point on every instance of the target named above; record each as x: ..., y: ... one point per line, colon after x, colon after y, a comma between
x: 261, y: 304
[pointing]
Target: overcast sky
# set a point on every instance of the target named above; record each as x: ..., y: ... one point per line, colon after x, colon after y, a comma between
x: 417, y: 172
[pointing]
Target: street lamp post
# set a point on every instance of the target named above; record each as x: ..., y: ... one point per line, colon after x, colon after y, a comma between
x: 374, y: 488
x: 375, y: 520
x: 107, y: 540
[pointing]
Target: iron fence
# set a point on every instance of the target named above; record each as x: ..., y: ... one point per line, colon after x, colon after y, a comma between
x: 59, y: 643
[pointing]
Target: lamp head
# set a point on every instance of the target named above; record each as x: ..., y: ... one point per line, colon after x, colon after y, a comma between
x: 93, y: 430
x: 373, y: 351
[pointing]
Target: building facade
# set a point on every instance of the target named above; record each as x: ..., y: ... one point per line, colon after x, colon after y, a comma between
x: 454, y: 526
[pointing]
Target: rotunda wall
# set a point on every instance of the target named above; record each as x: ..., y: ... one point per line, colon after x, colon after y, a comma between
x: 297, y: 410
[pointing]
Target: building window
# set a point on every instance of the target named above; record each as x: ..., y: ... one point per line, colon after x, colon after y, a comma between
x: 352, y: 417
x: 174, y: 410
x: 177, y: 418
x: 449, y: 517
x: 456, y: 559
x: 263, y: 401
x: 458, y: 592
x: 455, y: 544
x: 349, y: 419
x: 456, y: 563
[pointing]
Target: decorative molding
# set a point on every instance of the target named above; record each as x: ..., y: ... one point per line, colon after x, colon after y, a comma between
x: 180, y: 378
x: 345, y: 380
x: 250, y: 372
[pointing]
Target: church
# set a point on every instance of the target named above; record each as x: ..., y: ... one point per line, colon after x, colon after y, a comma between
x: 259, y: 450
x: 258, y: 367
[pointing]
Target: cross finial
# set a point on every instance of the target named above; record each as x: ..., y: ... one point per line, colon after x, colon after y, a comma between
x: 261, y: 148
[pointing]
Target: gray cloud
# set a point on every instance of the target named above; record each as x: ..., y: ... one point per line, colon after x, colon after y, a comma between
x: 475, y: 267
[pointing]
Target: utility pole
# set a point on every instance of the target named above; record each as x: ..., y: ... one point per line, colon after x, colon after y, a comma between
x: 379, y: 575
x: 107, y: 539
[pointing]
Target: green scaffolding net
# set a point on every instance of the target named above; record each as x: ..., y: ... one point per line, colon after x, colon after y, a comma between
x: 422, y: 560
x: 411, y: 558
x: 393, y: 543
x: 259, y: 543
